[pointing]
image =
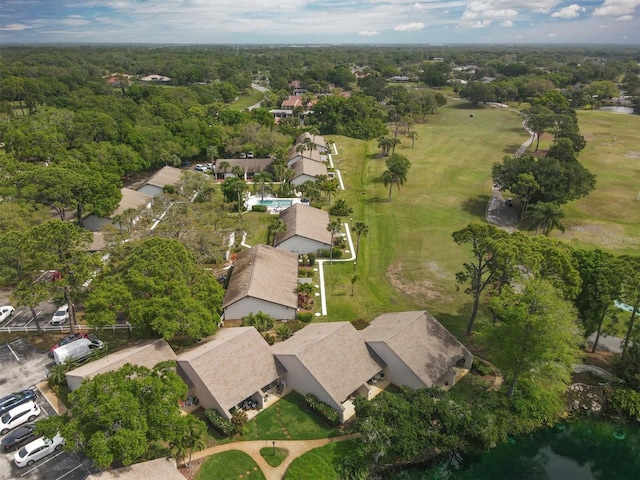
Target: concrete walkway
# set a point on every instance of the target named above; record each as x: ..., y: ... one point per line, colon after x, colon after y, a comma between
x: 253, y: 447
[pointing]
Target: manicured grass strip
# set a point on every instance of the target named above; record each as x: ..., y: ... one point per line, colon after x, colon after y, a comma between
x: 288, y: 419
x: 252, y: 97
x: 322, y: 462
x: 230, y: 465
x: 271, y: 459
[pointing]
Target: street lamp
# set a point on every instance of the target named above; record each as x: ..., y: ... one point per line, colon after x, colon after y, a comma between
x: 274, y: 448
x: 354, y: 266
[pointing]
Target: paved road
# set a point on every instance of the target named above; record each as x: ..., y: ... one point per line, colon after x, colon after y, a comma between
x: 607, y: 343
x: 260, y: 88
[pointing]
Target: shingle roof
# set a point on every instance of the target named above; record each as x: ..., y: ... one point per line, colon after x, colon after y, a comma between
x: 292, y: 101
x: 334, y: 353
x: 234, y: 365
x: 305, y: 221
x: 131, y: 199
x: 306, y: 166
x: 158, y: 469
x: 165, y: 176
x: 310, y: 154
x: 147, y: 354
x: 317, y: 139
x: 98, y: 243
x: 249, y: 165
x: 265, y: 273
x: 419, y: 340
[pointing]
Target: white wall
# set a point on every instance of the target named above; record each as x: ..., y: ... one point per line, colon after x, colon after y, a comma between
x: 396, y: 370
x: 248, y: 305
x: 301, y: 179
x: 298, y: 244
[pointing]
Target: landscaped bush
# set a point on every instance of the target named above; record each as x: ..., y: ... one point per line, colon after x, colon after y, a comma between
x: 482, y: 368
x: 258, y: 208
x: 305, y: 288
x: 269, y: 338
x: 312, y: 259
x: 304, y: 316
x: 305, y: 273
x: 337, y: 252
x: 340, y: 208
x: 239, y: 419
x: 324, y: 253
x: 305, y: 301
x: 331, y: 415
x: 220, y: 423
x: 359, y: 323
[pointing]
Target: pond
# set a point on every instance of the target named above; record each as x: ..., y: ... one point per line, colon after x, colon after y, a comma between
x: 583, y: 450
x: 617, y: 109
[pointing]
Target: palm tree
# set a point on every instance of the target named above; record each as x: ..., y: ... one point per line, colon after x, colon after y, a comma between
x: 238, y: 171
x: 546, y: 215
x: 277, y: 226
x: 393, y: 142
x: 224, y: 166
x: 189, y: 436
x: 301, y: 147
x: 413, y: 136
x: 361, y: 229
x: 397, y: 168
x: 259, y: 179
x: 334, y: 227
x: 261, y: 321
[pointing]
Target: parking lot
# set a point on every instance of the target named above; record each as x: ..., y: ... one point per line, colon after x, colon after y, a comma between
x: 23, y: 366
x: 23, y: 316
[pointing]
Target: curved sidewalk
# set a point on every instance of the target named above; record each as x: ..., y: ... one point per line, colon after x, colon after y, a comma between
x: 253, y: 447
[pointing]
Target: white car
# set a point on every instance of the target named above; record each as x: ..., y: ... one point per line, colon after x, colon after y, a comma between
x: 27, y: 412
x: 37, y: 449
x: 6, y: 311
x: 61, y: 315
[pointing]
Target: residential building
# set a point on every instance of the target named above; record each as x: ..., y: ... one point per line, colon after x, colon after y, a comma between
x: 306, y: 230
x: 294, y: 155
x: 318, y: 141
x: 163, y: 177
x: 263, y: 279
x: 155, y: 78
x: 146, y: 354
x: 250, y: 166
x: 131, y: 200
x: 306, y: 170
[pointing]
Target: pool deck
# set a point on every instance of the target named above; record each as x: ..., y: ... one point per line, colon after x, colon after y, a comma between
x: 273, y: 209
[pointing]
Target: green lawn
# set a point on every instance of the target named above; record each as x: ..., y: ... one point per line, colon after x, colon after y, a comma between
x: 274, y: 456
x: 321, y: 462
x: 250, y: 98
x: 229, y: 465
x: 288, y: 419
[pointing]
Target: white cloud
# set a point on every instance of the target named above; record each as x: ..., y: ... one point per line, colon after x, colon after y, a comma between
x: 506, y: 23
x: 572, y: 11
x: 409, y: 27
x: 368, y: 33
x: 418, y: 5
x: 616, y: 8
x: 624, y: 18
x: 15, y: 27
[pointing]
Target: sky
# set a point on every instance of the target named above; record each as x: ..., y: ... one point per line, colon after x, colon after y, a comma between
x: 321, y: 21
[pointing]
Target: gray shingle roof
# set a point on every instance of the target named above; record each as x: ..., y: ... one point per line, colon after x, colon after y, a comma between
x: 317, y: 139
x: 147, y: 354
x: 131, y: 199
x: 266, y: 273
x: 248, y: 165
x: 310, y: 154
x: 234, y: 365
x: 165, y: 176
x: 306, y: 166
x: 334, y: 353
x: 419, y: 340
x: 158, y: 469
x: 305, y: 221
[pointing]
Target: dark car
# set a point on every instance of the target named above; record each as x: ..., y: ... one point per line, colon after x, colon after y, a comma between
x: 72, y: 337
x: 18, y: 437
x: 14, y: 399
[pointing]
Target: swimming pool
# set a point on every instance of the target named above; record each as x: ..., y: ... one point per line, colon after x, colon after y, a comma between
x: 276, y: 202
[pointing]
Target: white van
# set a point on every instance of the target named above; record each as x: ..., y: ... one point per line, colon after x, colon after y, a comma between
x: 78, y: 350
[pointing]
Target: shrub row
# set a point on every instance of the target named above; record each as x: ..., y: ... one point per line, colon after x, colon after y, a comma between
x: 331, y: 415
x: 305, y: 317
x: 258, y: 208
x: 220, y: 423
x: 324, y: 253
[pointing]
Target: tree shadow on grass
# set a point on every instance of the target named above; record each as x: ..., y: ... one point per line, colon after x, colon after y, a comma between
x: 476, y: 206
x: 464, y: 106
x: 511, y: 149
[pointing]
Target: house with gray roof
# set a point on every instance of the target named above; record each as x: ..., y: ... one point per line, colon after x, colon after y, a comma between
x: 147, y: 353
x: 263, y: 279
x: 131, y: 200
x: 329, y: 360
x: 306, y: 230
x: 159, y: 469
x: 417, y: 350
x: 165, y: 176
x: 318, y: 141
x: 305, y: 170
x: 235, y: 367
x: 250, y: 166
x: 294, y: 156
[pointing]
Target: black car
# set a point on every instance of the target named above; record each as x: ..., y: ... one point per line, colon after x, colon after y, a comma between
x: 14, y: 399
x: 18, y: 437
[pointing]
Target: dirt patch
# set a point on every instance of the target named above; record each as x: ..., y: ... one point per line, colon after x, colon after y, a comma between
x: 600, y: 358
x: 191, y: 471
x: 632, y: 154
x: 418, y: 289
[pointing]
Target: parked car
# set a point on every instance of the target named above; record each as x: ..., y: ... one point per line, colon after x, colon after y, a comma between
x: 27, y: 412
x: 40, y: 448
x: 14, y: 399
x: 61, y: 315
x: 78, y: 350
x: 200, y: 168
x: 249, y: 154
x: 18, y: 437
x: 6, y: 312
x: 72, y: 337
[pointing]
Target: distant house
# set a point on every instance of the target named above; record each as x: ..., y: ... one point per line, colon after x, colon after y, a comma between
x: 292, y: 102
x: 417, y: 350
x: 163, y: 177
x: 147, y: 354
x: 155, y: 78
x: 285, y: 113
x: 263, y: 279
x: 159, y: 469
x: 131, y: 200
x: 319, y: 142
x: 399, y: 78
x: 235, y: 367
x: 306, y: 169
x: 329, y: 360
x: 250, y: 166
x: 98, y: 243
x: 306, y: 230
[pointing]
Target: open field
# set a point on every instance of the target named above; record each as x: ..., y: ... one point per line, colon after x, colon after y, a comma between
x: 408, y: 260
x: 252, y: 97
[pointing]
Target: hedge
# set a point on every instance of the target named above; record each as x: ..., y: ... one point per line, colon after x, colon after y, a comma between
x: 220, y: 423
x: 305, y: 317
x: 331, y: 415
x: 258, y: 208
